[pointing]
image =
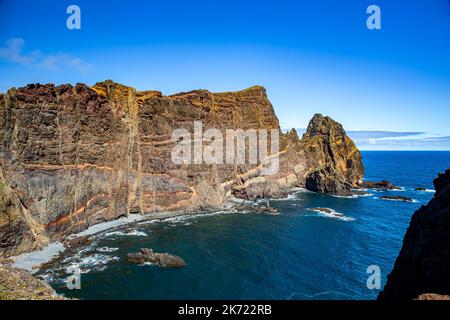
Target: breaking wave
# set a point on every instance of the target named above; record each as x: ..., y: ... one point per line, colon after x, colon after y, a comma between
x: 135, y: 233
x: 330, y: 213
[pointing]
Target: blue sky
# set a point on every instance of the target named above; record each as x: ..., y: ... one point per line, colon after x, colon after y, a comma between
x: 312, y: 56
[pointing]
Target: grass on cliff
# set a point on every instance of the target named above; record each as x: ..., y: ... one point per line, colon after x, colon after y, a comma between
x: 5, y: 296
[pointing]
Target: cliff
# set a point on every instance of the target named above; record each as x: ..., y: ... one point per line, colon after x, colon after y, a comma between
x: 335, y: 164
x: 423, y: 265
x: 74, y: 156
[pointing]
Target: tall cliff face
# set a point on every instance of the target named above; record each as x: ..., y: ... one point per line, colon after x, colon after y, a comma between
x: 423, y: 265
x: 74, y: 156
x: 335, y: 162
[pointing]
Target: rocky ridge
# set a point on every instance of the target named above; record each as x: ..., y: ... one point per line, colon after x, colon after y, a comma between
x: 75, y: 156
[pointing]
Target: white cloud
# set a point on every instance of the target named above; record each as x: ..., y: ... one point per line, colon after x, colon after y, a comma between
x: 13, y: 52
x: 61, y: 61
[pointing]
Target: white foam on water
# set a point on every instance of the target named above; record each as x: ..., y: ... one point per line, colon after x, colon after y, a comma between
x: 353, y: 196
x: 107, y: 249
x: 135, y: 233
x: 146, y: 264
x: 291, y: 196
x: 364, y: 195
x: 148, y: 222
x: 333, y: 214
x: 89, y: 263
x: 427, y: 190
x: 362, y: 189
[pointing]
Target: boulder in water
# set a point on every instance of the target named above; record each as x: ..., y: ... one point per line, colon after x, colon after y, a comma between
x: 397, y: 198
x: 164, y: 260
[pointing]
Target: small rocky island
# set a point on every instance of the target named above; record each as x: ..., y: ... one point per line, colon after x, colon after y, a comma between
x: 164, y: 260
x: 397, y: 198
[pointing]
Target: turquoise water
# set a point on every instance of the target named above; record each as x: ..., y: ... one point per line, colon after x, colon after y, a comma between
x: 298, y: 254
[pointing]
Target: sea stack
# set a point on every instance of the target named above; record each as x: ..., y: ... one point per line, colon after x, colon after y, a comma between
x: 422, y: 269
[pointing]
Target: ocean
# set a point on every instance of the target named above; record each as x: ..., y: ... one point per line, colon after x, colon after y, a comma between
x: 298, y: 254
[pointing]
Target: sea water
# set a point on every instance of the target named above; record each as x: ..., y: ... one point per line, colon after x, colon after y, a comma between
x: 298, y: 254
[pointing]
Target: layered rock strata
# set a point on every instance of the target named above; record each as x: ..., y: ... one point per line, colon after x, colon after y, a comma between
x: 75, y: 156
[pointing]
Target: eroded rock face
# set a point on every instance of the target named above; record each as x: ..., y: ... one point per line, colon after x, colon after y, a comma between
x: 334, y: 163
x: 423, y: 265
x: 74, y: 156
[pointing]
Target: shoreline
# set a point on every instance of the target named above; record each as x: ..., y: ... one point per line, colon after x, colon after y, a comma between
x: 31, y: 261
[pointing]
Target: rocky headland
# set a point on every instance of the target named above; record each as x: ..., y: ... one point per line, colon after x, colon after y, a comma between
x: 74, y: 156
x: 422, y: 269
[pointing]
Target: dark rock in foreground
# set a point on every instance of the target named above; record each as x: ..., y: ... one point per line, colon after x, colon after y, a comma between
x: 163, y: 260
x: 423, y: 265
x: 397, y: 198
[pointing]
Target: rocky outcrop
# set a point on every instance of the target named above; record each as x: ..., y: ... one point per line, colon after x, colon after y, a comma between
x: 334, y: 163
x: 17, y: 284
x: 164, y: 260
x: 397, y: 198
x: 74, y: 156
x: 423, y: 265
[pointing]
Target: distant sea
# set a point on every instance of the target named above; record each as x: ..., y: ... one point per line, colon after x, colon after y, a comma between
x: 298, y: 254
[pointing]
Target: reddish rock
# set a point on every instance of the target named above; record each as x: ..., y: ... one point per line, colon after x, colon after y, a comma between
x: 74, y: 156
